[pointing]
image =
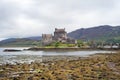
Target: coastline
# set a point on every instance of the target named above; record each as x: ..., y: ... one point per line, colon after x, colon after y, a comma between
x: 12, y: 49
x: 69, y: 49
x: 96, y: 66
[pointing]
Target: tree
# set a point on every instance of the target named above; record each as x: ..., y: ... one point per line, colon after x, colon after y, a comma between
x: 57, y: 44
x: 79, y: 43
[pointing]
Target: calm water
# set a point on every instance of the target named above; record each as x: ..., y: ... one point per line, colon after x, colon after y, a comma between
x: 30, y: 56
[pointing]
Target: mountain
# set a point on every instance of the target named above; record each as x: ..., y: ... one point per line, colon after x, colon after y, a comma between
x: 15, y: 42
x: 104, y: 32
x: 35, y: 38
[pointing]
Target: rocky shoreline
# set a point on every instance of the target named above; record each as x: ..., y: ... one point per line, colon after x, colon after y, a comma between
x: 95, y: 67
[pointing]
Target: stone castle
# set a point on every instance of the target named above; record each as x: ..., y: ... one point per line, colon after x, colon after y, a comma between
x: 60, y: 35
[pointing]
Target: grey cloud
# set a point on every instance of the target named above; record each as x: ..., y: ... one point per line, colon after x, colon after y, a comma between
x: 8, y: 11
x: 17, y: 17
x: 62, y: 10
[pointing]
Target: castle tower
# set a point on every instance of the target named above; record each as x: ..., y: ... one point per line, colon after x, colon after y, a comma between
x: 60, y: 34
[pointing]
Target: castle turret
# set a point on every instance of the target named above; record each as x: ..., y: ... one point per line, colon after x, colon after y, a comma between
x: 60, y: 34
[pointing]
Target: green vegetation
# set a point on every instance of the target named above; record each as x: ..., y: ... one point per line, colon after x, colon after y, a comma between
x: 80, y: 43
x: 57, y: 44
x: 113, y: 40
x: 60, y: 45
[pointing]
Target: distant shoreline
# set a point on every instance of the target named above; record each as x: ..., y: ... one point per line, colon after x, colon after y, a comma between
x: 68, y: 49
x: 57, y: 49
x: 15, y: 47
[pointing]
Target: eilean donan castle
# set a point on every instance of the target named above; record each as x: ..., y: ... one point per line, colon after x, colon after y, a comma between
x: 60, y: 35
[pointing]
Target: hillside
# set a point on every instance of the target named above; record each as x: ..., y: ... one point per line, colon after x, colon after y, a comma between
x: 20, y: 42
x: 104, y: 32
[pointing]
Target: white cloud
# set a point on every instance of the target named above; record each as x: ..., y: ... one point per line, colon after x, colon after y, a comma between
x: 21, y: 18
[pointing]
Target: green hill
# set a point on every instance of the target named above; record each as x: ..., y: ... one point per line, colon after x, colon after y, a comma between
x: 105, y: 33
x: 19, y: 42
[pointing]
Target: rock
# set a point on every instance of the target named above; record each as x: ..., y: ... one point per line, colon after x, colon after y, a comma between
x: 11, y: 50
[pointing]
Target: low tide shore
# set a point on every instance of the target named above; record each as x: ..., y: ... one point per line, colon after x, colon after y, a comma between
x: 94, y: 67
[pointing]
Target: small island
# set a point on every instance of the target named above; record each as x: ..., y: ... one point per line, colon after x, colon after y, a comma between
x: 60, y: 41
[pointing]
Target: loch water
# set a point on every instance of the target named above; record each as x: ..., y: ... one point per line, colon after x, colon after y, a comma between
x: 31, y: 56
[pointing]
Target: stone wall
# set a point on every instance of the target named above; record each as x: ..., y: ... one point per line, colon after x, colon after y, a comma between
x: 46, y: 39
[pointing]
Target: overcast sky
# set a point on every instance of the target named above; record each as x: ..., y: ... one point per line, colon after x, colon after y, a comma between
x: 23, y: 18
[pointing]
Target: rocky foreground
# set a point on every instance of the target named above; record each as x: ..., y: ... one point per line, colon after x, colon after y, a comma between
x: 95, y: 67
